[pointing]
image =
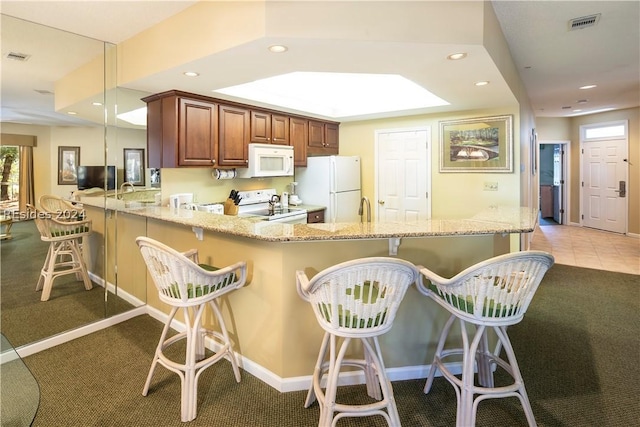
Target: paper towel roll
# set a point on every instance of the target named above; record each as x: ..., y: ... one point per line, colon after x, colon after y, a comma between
x: 224, y: 173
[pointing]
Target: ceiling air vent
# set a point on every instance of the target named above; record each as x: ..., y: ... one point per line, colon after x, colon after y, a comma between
x: 16, y: 56
x: 584, y: 22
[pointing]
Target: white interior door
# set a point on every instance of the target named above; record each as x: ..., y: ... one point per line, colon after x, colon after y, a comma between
x: 604, y: 181
x: 403, y: 175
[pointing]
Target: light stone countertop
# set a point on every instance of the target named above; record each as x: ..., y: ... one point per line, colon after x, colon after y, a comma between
x: 496, y: 220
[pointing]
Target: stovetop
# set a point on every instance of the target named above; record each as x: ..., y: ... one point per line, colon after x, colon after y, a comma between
x: 276, y: 213
x: 256, y: 203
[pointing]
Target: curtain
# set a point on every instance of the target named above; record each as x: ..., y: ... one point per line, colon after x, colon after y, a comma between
x: 27, y: 193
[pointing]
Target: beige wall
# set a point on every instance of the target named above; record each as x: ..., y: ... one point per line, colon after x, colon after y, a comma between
x: 453, y: 195
x: 568, y: 129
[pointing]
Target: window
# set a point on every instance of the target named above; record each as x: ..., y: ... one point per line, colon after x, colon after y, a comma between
x: 604, y: 131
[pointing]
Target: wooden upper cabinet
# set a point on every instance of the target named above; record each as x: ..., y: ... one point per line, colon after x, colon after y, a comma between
x: 197, y: 140
x: 323, y: 138
x: 233, y: 146
x: 268, y: 128
x: 331, y: 138
x: 185, y: 129
x: 298, y: 139
x: 181, y: 131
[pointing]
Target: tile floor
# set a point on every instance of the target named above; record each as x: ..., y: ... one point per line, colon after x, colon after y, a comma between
x: 586, y: 247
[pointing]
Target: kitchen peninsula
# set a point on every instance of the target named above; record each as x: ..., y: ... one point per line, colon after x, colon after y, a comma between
x: 274, y: 331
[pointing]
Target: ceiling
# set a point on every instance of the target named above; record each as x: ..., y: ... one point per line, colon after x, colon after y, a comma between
x: 551, y: 60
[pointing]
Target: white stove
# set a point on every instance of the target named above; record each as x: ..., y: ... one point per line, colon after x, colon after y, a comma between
x: 257, y: 204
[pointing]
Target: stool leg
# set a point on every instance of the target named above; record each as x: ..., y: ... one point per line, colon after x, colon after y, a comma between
x: 372, y: 346
x: 371, y: 379
x: 316, y: 381
x: 48, y: 271
x: 501, y: 331
x: 466, y: 412
x: 436, y: 357
x: 484, y: 362
x: 326, y: 415
x: 159, y: 347
x: 76, y: 255
x: 231, y: 356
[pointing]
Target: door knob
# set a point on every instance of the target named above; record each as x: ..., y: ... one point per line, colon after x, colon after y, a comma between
x: 381, y: 202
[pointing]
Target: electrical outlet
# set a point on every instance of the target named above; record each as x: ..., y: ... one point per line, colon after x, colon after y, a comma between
x: 490, y: 186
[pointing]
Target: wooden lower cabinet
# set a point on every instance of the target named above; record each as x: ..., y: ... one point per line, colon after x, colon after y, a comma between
x: 315, y: 217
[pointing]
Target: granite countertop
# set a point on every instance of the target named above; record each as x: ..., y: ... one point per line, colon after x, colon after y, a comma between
x: 495, y: 220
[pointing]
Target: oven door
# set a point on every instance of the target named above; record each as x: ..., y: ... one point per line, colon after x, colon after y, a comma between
x: 299, y: 218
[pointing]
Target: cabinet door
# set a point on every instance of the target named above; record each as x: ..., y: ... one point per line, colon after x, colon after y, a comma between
x: 260, y: 127
x: 316, y: 134
x: 233, y: 142
x: 299, y: 135
x: 197, y: 139
x: 279, y: 129
x: 331, y: 136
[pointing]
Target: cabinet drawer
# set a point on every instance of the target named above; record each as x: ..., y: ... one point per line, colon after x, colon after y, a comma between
x: 315, y: 216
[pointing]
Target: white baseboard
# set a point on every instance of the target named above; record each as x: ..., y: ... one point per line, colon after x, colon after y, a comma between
x: 29, y: 349
x: 258, y: 371
x: 304, y: 382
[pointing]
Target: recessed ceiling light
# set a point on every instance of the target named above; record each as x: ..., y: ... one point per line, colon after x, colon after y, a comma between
x: 588, y: 87
x: 577, y: 111
x: 482, y: 83
x: 191, y: 74
x: 278, y: 48
x: 71, y: 113
x: 456, y: 56
x: 96, y: 103
x: 337, y: 94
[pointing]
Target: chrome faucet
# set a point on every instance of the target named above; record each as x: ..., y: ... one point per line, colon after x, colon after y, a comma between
x: 127, y: 184
x: 364, y: 201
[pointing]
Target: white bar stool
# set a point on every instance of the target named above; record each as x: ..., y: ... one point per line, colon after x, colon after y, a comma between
x: 184, y: 284
x: 355, y: 300
x: 492, y: 294
x: 65, y: 252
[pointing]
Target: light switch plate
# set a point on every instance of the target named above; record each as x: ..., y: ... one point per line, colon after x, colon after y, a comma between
x: 490, y: 186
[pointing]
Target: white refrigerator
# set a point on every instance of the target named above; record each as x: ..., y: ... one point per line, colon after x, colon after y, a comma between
x: 333, y: 182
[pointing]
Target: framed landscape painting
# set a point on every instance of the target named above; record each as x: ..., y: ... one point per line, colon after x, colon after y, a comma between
x: 483, y: 144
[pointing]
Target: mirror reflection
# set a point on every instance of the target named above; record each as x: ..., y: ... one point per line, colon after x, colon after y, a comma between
x: 70, y: 80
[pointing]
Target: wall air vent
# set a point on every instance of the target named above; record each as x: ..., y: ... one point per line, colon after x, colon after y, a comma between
x: 16, y: 56
x: 44, y: 92
x: 584, y: 22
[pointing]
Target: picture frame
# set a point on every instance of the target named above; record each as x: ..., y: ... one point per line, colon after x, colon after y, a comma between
x: 134, y: 165
x: 68, y: 162
x: 483, y: 144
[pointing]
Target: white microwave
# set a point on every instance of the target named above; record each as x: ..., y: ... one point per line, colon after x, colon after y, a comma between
x: 267, y: 160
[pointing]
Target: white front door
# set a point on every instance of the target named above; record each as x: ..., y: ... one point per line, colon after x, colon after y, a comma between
x: 604, y: 185
x: 403, y: 175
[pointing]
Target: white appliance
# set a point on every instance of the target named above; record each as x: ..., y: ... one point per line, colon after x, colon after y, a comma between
x: 180, y: 199
x: 267, y: 160
x: 333, y: 182
x: 265, y: 204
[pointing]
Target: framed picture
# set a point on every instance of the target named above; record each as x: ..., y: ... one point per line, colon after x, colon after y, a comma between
x: 68, y: 161
x: 484, y: 144
x: 134, y: 166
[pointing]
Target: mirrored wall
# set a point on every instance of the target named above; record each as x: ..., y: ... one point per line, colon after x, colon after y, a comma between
x: 59, y: 91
